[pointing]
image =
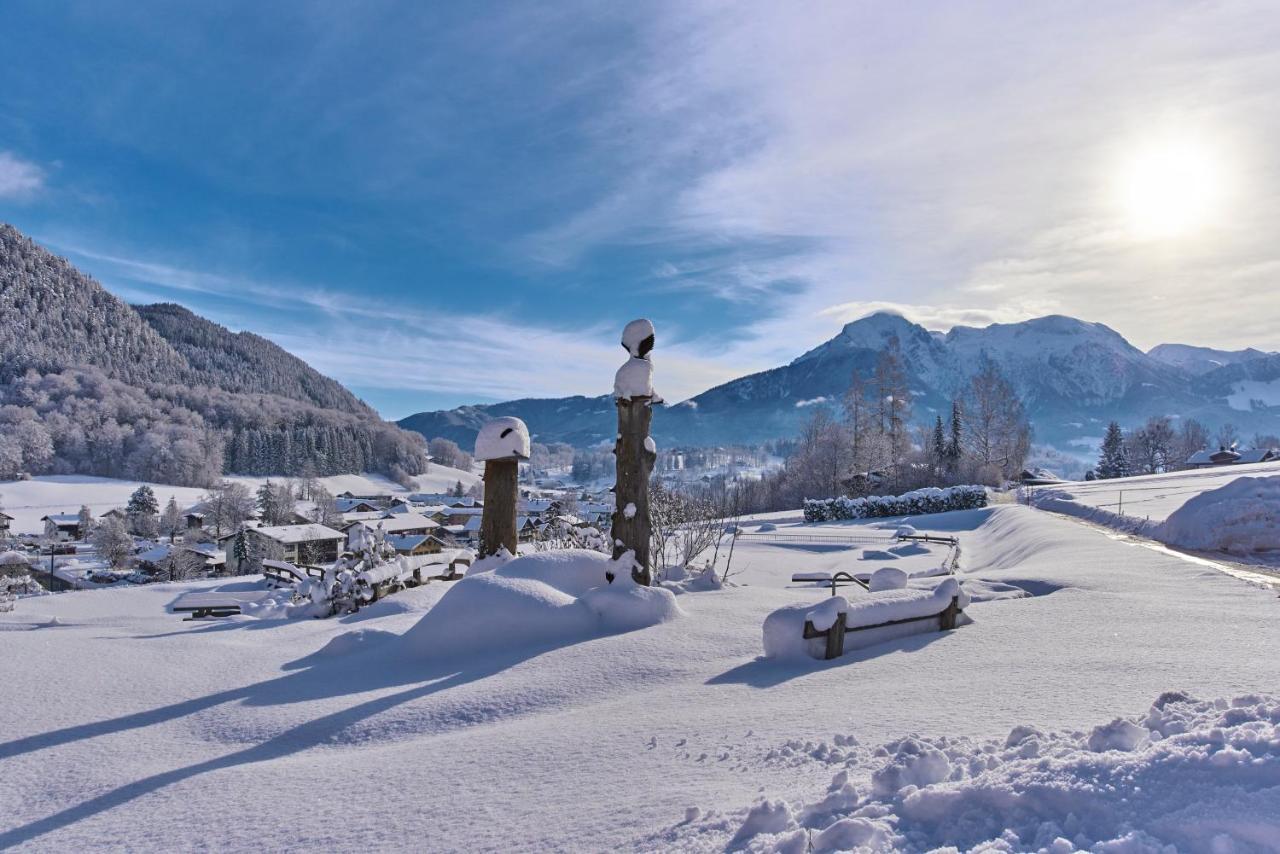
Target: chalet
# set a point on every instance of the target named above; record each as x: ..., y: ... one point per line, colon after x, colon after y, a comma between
x: 416, y: 544
x: 308, y: 544
x: 376, y: 500
x: 1231, y: 457
x: 458, y: 515
x: 1038, y: 477
x: 113, y: 513
x: 154, y: 559
x: 526, y: 529
x: 5, y: 521
x: 355, y: 505
x: 405, y: 524
x: 62, y: 527
x: 195, y: 520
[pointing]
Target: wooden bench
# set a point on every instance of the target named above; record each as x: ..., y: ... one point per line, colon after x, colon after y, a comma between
x: 200, y: 612
x: 835, y: 635
x: 839, y: 579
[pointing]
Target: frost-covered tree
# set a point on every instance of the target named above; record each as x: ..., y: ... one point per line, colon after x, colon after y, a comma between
x: 171, y: 521
x: 326, y: 507
x: 447, y: 453
x: 1114, y: 460
x: 998, y: 433
x: 113, y: 542
x: 276, y: 504
x: 227, y: 505
x: 85, y: 521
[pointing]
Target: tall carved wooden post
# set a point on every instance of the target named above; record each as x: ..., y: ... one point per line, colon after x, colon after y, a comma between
x: 502, y: 443
x: 634, y: 450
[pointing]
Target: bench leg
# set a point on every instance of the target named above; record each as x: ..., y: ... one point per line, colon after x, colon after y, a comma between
x: 835, y: 638
x: 948, y: 617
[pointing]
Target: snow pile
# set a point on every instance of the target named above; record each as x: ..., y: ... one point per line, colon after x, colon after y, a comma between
x: 1189, y: 775
x: 545, y: 597
x: 918, y: 502
x: 1242, y: 518
x: 502, y: 439
x: 888, y: 578
x: 784, y: 628
x: 634, y: 379
x: 637, y: 337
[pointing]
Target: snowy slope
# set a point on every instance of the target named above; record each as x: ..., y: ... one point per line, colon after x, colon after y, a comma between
x: 28, y: 500
x: 126, y: 728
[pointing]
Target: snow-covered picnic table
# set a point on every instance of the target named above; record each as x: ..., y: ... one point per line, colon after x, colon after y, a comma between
x: 217, y: 604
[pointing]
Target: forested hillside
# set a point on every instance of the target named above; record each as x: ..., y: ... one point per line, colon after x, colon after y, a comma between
x: 91, y: 385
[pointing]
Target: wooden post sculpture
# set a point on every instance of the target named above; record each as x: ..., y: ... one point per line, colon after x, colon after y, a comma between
x: 502, y: 443
x: 634, y: 450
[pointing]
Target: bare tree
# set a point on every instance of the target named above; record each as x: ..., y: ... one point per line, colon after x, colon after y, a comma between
x: 113, y: 542
x: 997, y: 431
x: 227, y: 504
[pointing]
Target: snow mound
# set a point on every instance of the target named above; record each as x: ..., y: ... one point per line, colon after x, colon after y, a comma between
x: 571, y: 571
x: 547, y: 597
x: 1189, y: 775
x: 1242, y: 517
x: 634, y: 379
x: 888, y: 578
x: 502, y: 438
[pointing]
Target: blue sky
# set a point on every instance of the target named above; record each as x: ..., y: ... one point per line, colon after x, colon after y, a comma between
x: 461, y: 202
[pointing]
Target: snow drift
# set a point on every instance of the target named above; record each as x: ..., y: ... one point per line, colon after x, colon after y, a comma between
x: 1242, y: 518
x: 546, y: 597
x: 1188, y: 775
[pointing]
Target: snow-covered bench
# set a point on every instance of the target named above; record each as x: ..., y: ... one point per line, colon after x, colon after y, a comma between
x: 213, y: 604
x: 279, y: 573
x: 875, y: 617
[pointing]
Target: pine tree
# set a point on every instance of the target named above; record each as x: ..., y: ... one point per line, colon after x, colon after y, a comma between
x: 143, y: 500
x: 955, y: 446
x: 1114, y: 461
x: 939, y: 446
x: 458, y: 490
x: 240, y: 550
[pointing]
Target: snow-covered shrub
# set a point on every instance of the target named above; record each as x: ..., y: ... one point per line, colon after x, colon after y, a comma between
x: 918, y: 502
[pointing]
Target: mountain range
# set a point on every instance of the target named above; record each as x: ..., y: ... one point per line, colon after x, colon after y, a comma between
x: 92, y: 385
x: 1073, y: 376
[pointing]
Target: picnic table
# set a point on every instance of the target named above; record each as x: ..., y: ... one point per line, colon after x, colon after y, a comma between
x: 214, y: 604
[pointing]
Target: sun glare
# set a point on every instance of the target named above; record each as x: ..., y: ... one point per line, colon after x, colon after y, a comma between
x: 1171, y: 189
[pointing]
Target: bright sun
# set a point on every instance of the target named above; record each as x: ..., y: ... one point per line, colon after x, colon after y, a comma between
x: 1171, y: 189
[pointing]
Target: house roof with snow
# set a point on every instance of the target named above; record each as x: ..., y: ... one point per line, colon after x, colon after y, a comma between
x: 155, y: 554
x: 409, y: 542
x: 61, y: 519
x: 401, y: 522
x: 299, y: 533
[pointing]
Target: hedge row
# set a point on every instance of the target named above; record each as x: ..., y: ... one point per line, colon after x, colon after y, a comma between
x: 915, y: 503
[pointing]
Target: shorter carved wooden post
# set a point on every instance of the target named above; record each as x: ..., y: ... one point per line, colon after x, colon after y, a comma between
x: 501, y: 444
x: 634, y: 451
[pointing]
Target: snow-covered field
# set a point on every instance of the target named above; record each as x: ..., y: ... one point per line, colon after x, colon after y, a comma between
x: 1233, y: 511
x: 1154, y: 496
x: 29, y: 500
x: 125, y: 728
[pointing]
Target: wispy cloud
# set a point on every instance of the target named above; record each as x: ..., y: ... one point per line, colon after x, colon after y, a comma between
x: 19, y: 179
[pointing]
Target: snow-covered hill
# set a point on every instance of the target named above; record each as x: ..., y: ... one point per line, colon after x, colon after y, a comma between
x: 1201, y: 360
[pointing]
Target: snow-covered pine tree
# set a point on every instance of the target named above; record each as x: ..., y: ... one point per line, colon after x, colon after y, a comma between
x: 1114, y: 461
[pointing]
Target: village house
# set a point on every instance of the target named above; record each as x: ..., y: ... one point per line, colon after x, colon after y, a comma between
x: 305, y: 544
x: 405, y: 524
x: 355, y: 505
x: 114, y: 512
x: 416, y: 544
x: 61, y: 527
x: 1231, y: 457
x: 5, y: 521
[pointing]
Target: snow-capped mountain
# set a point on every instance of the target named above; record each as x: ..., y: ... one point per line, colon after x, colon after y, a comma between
x: 1201, y: 360
x: 1074, y: 377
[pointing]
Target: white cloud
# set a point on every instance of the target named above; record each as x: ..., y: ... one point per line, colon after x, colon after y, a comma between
x: 19, y: 179
x: 963, y: 158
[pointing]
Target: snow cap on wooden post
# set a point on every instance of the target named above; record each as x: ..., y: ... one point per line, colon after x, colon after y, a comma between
x: 501, y: 444
x: 634, y: 450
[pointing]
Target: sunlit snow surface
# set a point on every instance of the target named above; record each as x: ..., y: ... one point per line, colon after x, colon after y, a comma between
x: 122, y: 727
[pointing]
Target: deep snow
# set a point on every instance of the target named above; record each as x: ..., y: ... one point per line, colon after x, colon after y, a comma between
x: 125, y: 728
